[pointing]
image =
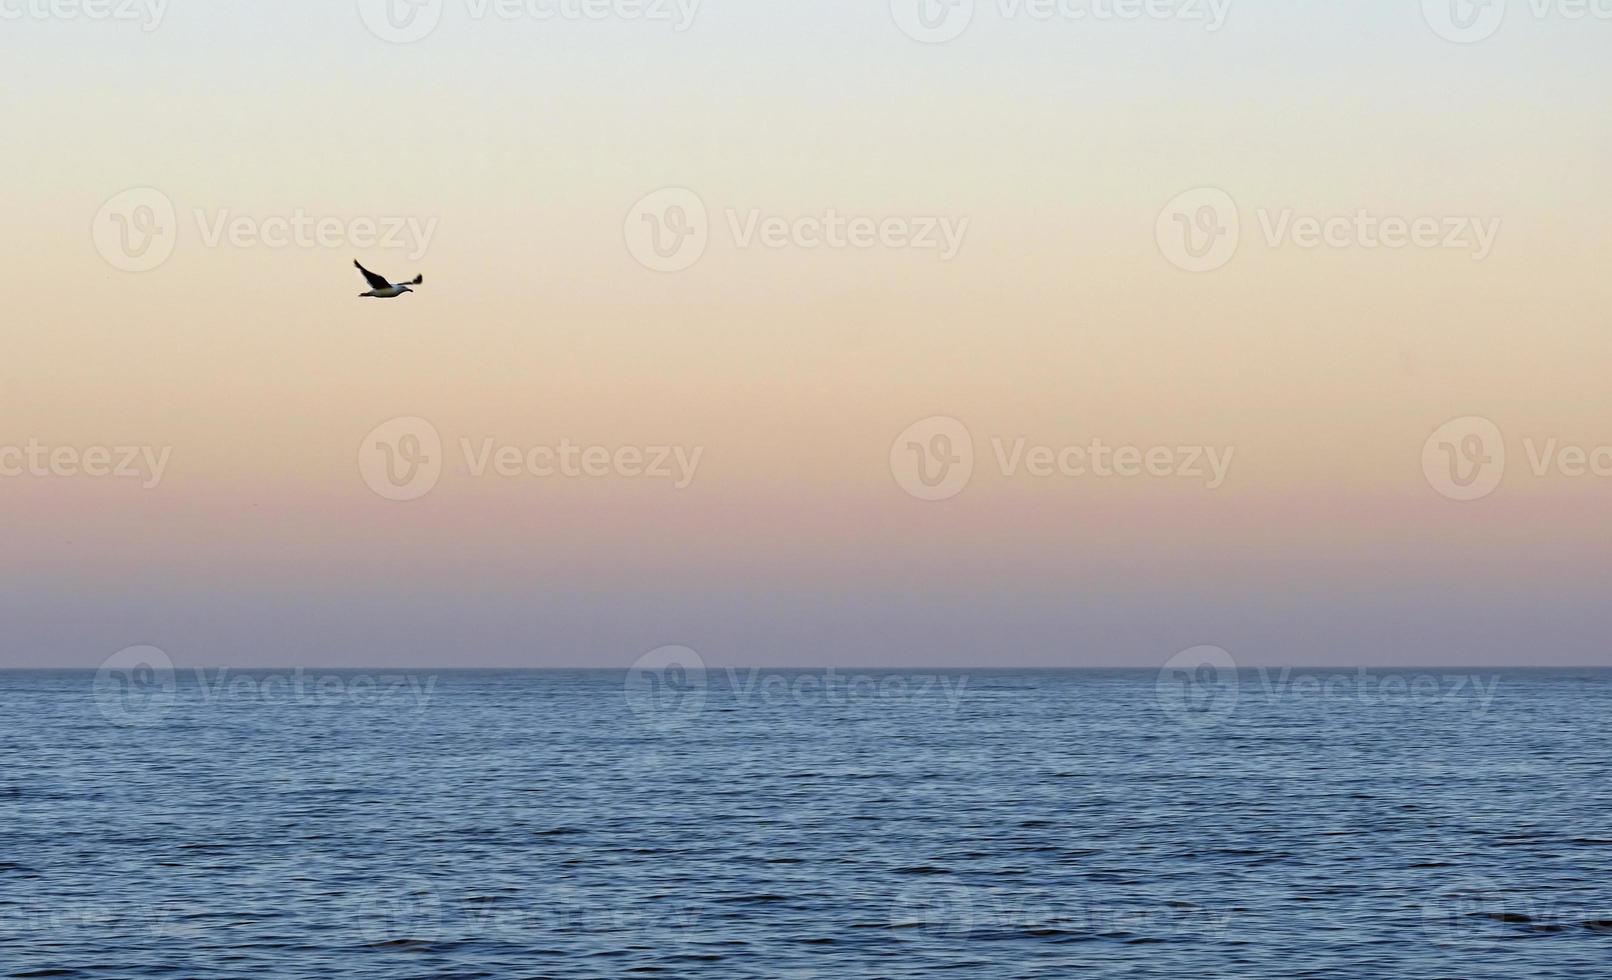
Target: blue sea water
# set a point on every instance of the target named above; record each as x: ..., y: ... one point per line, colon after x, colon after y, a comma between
x: 1411, y: 824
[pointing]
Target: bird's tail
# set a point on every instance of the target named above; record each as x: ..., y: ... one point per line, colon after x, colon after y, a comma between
x: 418, y: 280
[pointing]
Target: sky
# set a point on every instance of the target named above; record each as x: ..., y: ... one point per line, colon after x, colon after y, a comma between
x: 806, y: 334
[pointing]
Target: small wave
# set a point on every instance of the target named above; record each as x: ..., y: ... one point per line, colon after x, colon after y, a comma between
x: 1042, y: 934
x: 402, y: 944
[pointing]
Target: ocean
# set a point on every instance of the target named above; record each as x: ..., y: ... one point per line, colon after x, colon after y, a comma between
x: 985, y: 823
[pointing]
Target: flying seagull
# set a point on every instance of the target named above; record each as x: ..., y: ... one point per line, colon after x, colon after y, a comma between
x: 381, y: 289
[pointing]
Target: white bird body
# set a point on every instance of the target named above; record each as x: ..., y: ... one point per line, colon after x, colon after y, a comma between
x: 381, y: 288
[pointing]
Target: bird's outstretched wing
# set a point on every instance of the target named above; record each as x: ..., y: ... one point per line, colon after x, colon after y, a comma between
x: 377, y: 282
